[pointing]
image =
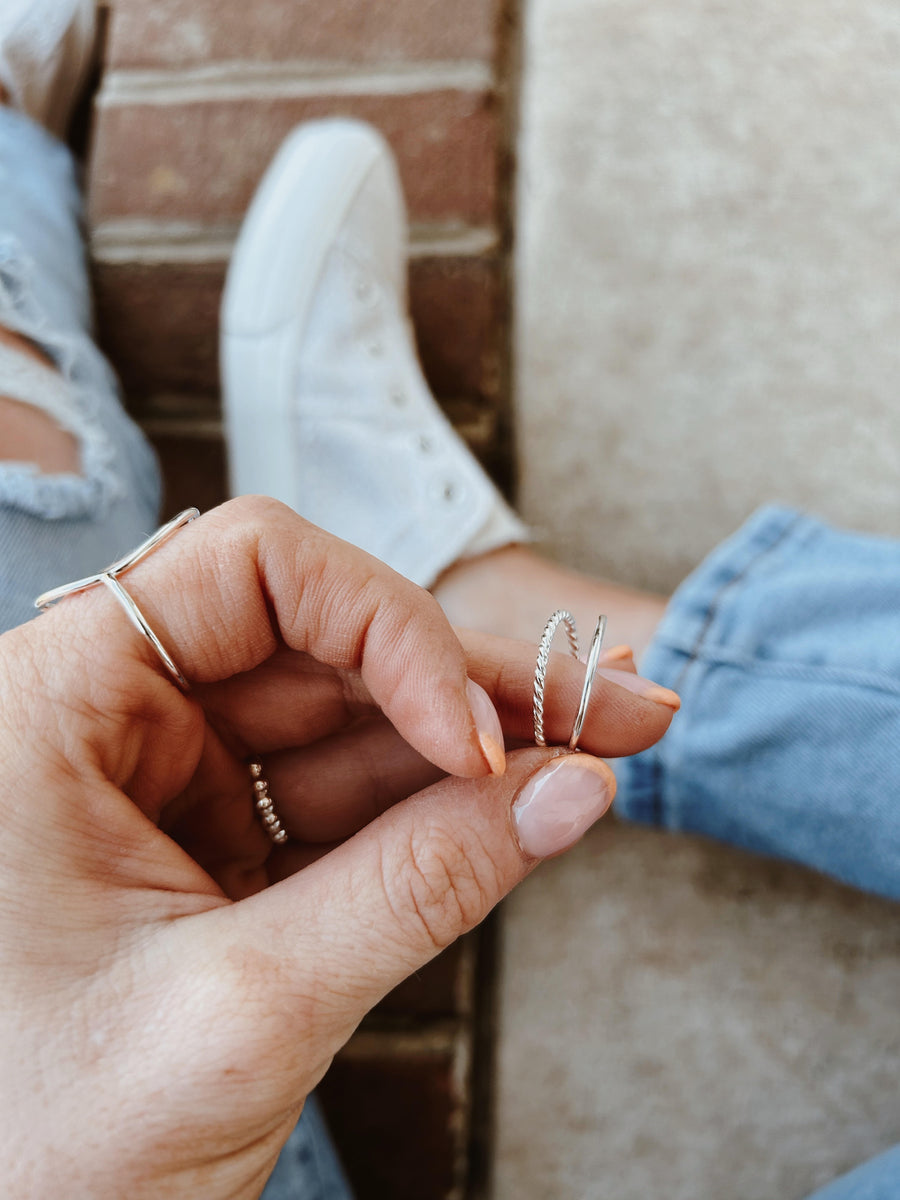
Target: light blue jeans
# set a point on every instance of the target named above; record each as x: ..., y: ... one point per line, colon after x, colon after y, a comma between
x: 784, y: 644
x: 785, y: 647
x: 62, y: 527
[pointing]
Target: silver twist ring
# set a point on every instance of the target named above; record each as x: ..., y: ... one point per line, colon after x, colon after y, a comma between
x: 560, y: 617
x: 109, y: 578
x: 271, y: 822
x: 564, y: 617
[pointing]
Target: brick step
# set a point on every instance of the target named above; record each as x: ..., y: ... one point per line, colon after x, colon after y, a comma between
x: 192, y: 145
x: 398, y: 1104
x: 181, y: 32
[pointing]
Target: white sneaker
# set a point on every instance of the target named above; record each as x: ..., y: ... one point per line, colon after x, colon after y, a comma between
x: 325, y: 403
x: 46, y: 49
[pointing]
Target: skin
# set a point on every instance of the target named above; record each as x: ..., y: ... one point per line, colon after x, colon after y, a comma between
x: 28, y: 434
x: 174, y: 986
x: 512, y: 591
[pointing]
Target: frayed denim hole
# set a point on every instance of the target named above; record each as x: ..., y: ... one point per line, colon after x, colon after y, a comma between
x: 81, y: 366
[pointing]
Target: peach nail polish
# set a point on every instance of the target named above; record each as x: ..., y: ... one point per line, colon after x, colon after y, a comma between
x: 487, y: 723
x: 617, y: 654
x: 645, y: 688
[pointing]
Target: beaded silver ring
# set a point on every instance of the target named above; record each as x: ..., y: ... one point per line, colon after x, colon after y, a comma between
x: 265, y: 809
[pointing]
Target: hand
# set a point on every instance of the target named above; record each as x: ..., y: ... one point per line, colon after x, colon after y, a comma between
x: 174, y: 986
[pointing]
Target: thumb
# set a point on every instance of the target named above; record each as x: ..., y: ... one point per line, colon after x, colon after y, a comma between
x: 354, y: 924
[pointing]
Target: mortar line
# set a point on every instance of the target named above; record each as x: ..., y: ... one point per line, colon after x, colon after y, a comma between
x: 293, y: 79
x: 156, y: 242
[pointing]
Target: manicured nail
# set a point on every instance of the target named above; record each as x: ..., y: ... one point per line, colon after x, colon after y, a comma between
x: 558, y: 804
x: 617, y: 654
x: 645, y: 688
x: 487, y: 724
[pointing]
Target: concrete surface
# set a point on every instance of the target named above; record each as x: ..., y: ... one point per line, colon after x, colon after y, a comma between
x: 708, y: 301
x: 681, y: 1020
x: 708, y: 318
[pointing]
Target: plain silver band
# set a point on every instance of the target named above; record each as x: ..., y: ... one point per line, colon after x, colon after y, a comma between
x: 590, y: 672
x: 139, y: 621
x: 109, y: 580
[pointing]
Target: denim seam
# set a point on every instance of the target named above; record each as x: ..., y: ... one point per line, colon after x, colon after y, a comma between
x: 694, y: 655
x: 822, y: 672
x: 715, y: 604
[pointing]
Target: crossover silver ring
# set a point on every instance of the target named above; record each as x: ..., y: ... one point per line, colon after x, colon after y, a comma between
x: 109, y: 578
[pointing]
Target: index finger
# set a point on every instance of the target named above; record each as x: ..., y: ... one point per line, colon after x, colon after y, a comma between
x: 626, y: 713
x: 252, y: 575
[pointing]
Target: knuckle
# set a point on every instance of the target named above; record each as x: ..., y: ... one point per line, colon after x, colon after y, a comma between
x: 254, y: 508
x: 444, y: 889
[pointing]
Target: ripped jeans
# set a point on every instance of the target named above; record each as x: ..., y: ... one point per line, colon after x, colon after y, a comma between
x: 58, y: 527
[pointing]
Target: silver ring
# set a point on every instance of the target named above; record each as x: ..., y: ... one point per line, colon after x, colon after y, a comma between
x: 271, y: 822
x: 109, y: 579
x: 563, y: 617
x: 590, y: 671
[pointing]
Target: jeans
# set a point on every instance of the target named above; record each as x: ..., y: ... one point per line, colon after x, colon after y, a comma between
x: 61, y: 527
x: 54, y: 528
x: 788, y: 738
x: 785, y: 647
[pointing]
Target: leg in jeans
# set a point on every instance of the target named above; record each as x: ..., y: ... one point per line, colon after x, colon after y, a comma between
x: 57, y: 524
x: 785, y: 649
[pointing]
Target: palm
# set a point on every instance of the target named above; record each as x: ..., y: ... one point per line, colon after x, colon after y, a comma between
x: 332, y: 760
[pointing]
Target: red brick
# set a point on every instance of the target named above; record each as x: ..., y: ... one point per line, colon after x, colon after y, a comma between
x: 171, y: 33
x: 398, y: 1118
x: 193, y: 467
x: 443, y: 988
x: 202, y: 161
x: 159, y: 324
x: 459, y: 319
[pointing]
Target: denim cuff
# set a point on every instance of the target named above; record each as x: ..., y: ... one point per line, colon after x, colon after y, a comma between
x: 680, y: 648
x: 785, y: 648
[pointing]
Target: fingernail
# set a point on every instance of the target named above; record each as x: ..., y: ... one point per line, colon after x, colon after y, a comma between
x: 487, y: 724
x: 645, y: 688
x: 560, y: 802
x: 617, y: 654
